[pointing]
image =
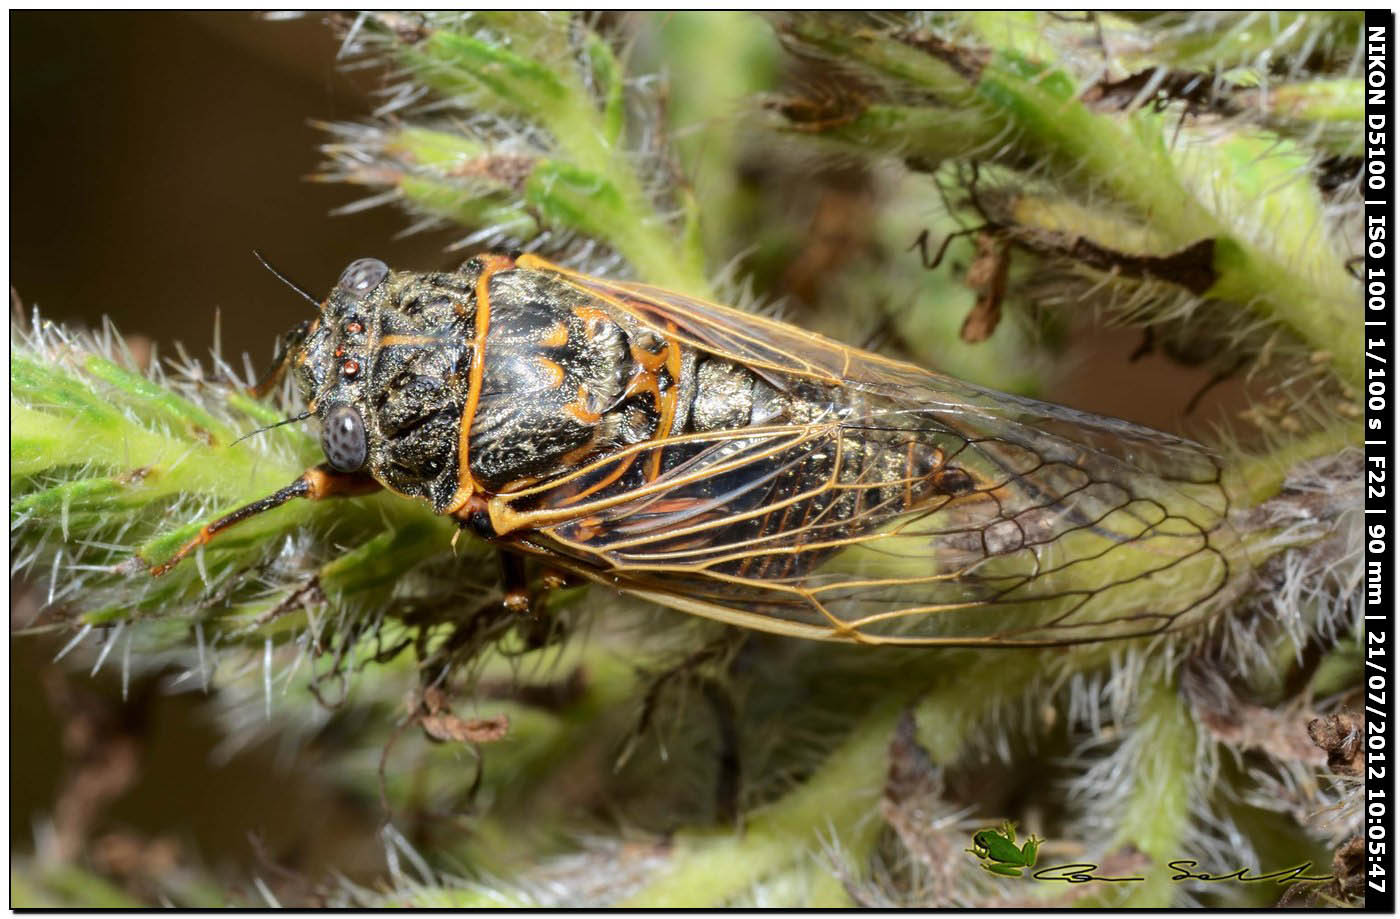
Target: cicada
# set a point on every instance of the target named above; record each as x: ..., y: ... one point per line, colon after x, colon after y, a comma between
x: 739, y: 468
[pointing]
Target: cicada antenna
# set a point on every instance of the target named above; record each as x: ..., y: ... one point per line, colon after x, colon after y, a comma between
x: 286, y: 280
x: 276, y: 424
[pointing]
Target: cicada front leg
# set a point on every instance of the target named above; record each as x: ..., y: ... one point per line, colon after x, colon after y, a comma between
x: 515, y: 584
x: 288, y: 347
x: 315, y: 484
x: 520, y: 610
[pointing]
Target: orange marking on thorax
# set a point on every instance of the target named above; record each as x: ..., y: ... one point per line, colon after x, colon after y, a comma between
x: 651, y: 362
x: 668, y: 401
x: 576, y: 456
x: 555, y: 371
x: 645, y: 382
x: 466, y: 485
x: 593, y: 318
x: 557, y: 337
x: 579, y: 408
x: 673, y: 355
x: 388, y: 341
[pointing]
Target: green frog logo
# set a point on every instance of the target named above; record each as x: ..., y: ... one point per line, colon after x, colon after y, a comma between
x: 998, y: 851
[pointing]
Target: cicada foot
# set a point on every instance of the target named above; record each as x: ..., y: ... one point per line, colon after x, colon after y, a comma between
x: 315, y: 484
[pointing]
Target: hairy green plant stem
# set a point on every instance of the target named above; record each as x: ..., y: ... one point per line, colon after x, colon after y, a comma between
x: 1025, y: 113
x: 590, y: 188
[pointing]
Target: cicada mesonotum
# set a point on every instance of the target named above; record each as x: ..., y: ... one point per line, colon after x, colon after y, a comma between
x: 739, y: 468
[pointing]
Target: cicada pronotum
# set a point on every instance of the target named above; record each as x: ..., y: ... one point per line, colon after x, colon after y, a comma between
x: 735, y: 467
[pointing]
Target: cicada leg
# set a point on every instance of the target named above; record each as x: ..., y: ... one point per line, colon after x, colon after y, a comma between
x: 728, y: 775
x: 515, y: 585
x: 720, y: 701
x: 489, y: 622
x: 315, y: 484
x: 535, y: 625
x: 482, y: 627
x: 287, y: 349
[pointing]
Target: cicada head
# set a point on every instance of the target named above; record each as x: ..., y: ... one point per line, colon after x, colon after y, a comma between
x: 385, y: 370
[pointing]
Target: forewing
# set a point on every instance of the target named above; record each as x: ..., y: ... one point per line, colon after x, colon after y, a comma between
x: 918, y: 510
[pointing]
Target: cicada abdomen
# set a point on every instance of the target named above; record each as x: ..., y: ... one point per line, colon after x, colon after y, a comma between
x: 745, y: 470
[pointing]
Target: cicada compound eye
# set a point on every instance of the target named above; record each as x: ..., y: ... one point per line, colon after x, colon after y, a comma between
x: 362, y: 276
x: 343, y: 439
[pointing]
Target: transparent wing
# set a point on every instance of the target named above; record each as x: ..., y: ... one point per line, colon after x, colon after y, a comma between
x: 917, y: 510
